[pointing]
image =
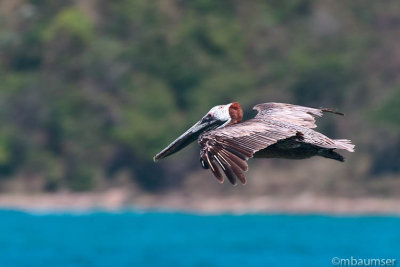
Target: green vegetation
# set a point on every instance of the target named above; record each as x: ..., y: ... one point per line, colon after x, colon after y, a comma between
x: 90, y: 89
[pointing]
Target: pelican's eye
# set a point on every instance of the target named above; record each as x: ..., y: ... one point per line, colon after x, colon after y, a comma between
x: 208, y: 117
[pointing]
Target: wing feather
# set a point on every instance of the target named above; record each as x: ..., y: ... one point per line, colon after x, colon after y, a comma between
x: 235, y: 168
x: 214, y: 168
x: 230, y: 147
x: 298, y: 115
x: 238, y: 161
x: 228, y: 160
x: 228, y: 169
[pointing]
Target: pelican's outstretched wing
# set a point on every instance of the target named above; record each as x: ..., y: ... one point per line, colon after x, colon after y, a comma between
x: 229, y: 148
x: 298, y: 115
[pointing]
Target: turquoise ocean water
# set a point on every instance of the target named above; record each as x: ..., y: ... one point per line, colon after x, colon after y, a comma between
x: 176, y: 239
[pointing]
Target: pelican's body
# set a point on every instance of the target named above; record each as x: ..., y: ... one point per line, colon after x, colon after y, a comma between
x: 278, y: 131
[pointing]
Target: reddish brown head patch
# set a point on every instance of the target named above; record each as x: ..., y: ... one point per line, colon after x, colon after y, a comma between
x: 236, y: 113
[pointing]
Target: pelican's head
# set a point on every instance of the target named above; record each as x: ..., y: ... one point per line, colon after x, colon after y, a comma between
x: 217, y: 117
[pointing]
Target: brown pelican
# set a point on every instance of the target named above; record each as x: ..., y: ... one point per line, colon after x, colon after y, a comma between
x: 277, y: 131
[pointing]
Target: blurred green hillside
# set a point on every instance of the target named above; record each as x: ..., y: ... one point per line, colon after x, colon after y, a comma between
x: 91, y: 90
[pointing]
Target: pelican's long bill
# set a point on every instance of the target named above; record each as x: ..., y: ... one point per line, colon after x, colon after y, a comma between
x: 188, y: 137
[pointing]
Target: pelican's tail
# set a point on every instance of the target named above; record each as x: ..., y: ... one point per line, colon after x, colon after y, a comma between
x: 344, y: 144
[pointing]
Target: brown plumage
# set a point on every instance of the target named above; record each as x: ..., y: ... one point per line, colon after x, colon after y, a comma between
x: 277, y: 131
